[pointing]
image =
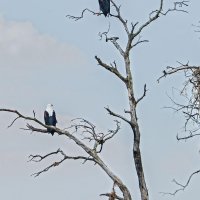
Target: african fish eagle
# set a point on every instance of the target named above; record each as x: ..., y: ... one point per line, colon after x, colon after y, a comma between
x: 50, y: 117
x: 105, y: 7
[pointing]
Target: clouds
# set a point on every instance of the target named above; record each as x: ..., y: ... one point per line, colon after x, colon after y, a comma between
x: 22, y: 45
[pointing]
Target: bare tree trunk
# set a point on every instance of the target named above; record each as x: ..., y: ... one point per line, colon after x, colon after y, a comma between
x: 135, y: 127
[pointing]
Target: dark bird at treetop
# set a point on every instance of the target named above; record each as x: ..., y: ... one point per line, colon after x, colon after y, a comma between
x: 104, y: 6
x: 50, y: 118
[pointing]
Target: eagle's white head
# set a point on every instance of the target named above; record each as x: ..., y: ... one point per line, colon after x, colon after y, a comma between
x: 49, y: 109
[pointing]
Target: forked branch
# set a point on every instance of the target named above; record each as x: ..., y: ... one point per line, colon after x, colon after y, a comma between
x: 88, y: 132
x: 156, y: 14
x: 82, y: 14
x: 39, y: 158
x: 112, y: 69
x: 191, y: 135
x: 172, y: 70
x: 182, y: 187
x: 117, y: 115
x: 144, y: 94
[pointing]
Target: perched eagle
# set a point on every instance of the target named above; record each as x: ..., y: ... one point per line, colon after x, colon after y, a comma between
x: 50, y: 117
x: 105, y: 7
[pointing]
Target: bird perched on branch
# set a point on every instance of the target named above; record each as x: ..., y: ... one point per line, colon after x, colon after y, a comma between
x: 104, y: 6
x: 50, y: 118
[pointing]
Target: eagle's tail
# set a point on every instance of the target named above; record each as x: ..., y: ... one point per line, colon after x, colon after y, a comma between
x: 50, y: 131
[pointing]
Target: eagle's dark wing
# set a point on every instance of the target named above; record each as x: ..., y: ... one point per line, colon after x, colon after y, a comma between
x: 54, y: 118
x: 46, y: 117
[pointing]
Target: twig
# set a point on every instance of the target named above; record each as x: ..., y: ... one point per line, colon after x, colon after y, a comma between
x: 171, y: 70
x: 114, y: 70
x: 159, y: 12
x: 182, y: 187
x: 38, y: 158
x: 117, y: 115
x: 187, y: 137
x: 14, y: 121
x: 88, y: 131
x: 144, y: 94
x: 82, y: 14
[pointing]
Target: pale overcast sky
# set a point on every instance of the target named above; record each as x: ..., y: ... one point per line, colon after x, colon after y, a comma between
x: 47, y: 58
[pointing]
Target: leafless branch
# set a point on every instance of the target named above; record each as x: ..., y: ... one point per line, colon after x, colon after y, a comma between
x: 118, y: 16
x: 112, y: 133
x: 82, y: 14
x: 171, y: 70
x: 55, y: 164
x: 105, y: 33
x: 114, y: 70
x: 34, y: 113
x: 112, y: 39
x: 139, y: 42
x: 89, y: 132
x: 23, y: 117
x: 182, y: 187
x: 34, y: 129
x: 39, y: 158
x: 156, y: 14
x: 191, y: 135
x: 144, y: 94
x: 116, y: 44
x: 177, y: 6
x: 14, y: 121
x: 117, y: 115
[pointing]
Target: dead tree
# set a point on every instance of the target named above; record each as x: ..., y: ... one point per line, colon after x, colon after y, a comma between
x: 82, y: 130
x: 189, y: 107
x: 190, y: 92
